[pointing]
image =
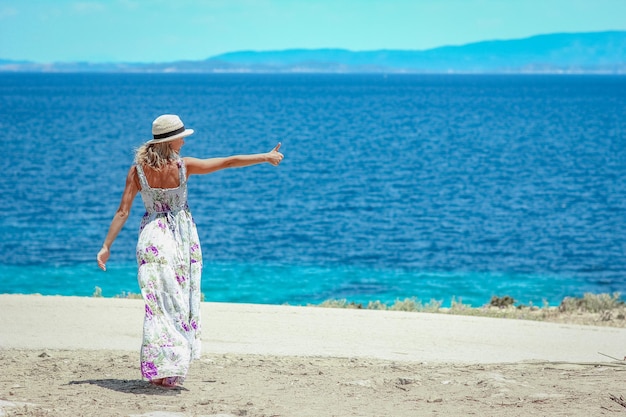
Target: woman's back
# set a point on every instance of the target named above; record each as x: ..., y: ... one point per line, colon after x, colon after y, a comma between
x: 164, y: 190
x: 167, y: 177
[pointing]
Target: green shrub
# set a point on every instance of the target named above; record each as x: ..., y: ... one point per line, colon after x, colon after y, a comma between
x: 501, y: 302
x: 593, y: 303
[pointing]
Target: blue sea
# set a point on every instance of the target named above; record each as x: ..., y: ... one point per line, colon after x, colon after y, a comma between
x: 437, y: 187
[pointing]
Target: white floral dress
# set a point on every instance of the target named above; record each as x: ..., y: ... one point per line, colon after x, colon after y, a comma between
x: 170, y: 267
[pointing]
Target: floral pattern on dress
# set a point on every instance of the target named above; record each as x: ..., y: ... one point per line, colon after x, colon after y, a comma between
x: 170, y: 267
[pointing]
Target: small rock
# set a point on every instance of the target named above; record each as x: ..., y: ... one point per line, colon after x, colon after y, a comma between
x: 405, y: 381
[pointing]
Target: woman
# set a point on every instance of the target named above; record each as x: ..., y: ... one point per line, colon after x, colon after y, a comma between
x: 168, y: 248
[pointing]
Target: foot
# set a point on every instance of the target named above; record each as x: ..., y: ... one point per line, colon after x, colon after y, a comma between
x: 157, y: 382
x: 170, y: 382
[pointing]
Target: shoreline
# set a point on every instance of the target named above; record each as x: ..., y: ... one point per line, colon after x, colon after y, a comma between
x: 80, y: 356
x: 59, y: 322
x: 446, y: 288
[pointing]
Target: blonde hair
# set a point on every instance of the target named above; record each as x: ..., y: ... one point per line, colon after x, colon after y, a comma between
x: 155, y: 155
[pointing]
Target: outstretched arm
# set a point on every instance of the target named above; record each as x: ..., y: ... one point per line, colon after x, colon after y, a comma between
x: 206, y: 166
x: 121, y: 215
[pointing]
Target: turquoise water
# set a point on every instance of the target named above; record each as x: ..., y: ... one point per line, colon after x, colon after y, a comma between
x: 299, y: 285
x: 392, y: 186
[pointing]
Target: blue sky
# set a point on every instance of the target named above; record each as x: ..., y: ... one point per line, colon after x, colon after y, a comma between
x: 169, y: 30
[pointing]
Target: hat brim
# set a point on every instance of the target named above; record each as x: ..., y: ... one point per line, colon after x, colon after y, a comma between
x: 187, y: 132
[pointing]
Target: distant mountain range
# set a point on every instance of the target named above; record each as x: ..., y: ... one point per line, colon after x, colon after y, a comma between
x: 595, y: 52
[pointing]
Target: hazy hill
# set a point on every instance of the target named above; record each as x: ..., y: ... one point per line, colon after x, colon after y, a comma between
x: 596, y: 52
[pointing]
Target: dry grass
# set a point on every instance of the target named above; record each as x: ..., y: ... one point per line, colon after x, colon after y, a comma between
x: 591, y: 309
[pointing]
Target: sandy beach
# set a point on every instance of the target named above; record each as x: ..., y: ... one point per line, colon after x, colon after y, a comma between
x: 74, y: 356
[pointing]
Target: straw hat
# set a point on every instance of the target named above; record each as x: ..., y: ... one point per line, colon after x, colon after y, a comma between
x: 168, y: 127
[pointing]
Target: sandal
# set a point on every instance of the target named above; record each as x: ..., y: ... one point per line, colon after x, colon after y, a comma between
x: 170, y: 382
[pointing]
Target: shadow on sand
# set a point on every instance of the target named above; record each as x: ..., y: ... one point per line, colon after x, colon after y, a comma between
x: 136, y: 386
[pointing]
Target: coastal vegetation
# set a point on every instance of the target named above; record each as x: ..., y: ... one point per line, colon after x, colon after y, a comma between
x: 591, y: 309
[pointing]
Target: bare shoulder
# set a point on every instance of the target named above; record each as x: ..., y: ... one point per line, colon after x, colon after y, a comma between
x: 191, y: 164
x: 132, y: 173
x: 133, y: 177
